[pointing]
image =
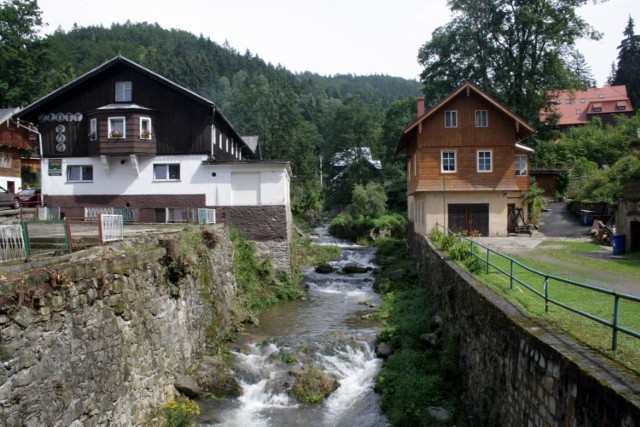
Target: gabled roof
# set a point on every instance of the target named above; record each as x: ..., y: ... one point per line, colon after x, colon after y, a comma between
x: 7, y: 113
x: 121, y: 60
x: 524, y: 129
x: 575, y: 107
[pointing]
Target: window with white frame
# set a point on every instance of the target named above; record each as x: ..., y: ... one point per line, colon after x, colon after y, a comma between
x: 484, y: 161
x: 521, y: 165
x: 123, y: 91
x: 116, y: 127
x: 448, y: 161
x: 93, y: 129
x: 166, y: 172
x: 482, y: 119
x: 82, y: 173
x: 451, y: 119
x: 145, y: 128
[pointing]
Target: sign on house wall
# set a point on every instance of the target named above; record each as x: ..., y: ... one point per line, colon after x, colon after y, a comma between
x: 55, y: 167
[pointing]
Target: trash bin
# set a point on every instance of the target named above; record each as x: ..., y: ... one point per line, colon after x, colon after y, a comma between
x: 618, y: 241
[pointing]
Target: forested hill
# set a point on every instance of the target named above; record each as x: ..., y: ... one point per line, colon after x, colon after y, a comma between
x: 305, y: 118
x: 198, y: 62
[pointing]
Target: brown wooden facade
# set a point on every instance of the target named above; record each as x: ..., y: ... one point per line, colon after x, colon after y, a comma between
x: 14, y: 141
x: 429, y: 136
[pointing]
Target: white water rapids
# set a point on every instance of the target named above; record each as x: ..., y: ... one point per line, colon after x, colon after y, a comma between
x: 325, y: 331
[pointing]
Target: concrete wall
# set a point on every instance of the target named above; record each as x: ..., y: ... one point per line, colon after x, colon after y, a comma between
x: 517, y: 372
x: 99, y: 342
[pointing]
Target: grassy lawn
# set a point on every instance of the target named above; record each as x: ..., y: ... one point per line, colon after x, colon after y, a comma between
x: 574, y: 261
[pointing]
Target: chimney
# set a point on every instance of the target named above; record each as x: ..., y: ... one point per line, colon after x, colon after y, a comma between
x: 420, y: 105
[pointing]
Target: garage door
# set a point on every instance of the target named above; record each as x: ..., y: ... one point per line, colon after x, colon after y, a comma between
x: 470, y: 219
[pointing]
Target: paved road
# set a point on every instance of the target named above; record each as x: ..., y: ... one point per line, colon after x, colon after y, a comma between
x: 558, y: 221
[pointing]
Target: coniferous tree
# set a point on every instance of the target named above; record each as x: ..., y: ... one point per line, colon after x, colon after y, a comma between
x: 628, y: 70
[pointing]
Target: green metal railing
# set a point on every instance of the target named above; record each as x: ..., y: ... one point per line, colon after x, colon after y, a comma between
x: 474, y: 248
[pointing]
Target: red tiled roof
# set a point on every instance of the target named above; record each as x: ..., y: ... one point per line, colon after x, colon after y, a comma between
x: 576, y: 107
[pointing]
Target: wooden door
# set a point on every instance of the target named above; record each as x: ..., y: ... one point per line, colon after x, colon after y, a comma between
x: 469, y: 218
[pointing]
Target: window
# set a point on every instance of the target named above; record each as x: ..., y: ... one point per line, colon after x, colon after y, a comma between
x: 582, y: 101
x: 451, y: 119
x: 621, y: 108
x: 166, y: 172
x: 482, y: 119
x: 597, y: 109
x: 116, y: 127
x: 5, y: 160
x: 448, y: 163
x: 79, y: 173
x: 578, y: 111
x: 567, y: 101
x: 123, y: 91
x: 93, y: 129
x: 484, y: 161
x: 521, y: 165
x: 145, y: 128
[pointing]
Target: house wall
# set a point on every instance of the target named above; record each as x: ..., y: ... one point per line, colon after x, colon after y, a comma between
x: 432, y: 137
x: 434, y: 212
x: 121, y: 178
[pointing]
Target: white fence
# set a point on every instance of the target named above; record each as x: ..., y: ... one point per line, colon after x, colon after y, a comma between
x: 111, y: 228
x: 12, y: 243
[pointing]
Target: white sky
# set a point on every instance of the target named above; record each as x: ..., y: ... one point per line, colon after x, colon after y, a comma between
x: 323, y: 36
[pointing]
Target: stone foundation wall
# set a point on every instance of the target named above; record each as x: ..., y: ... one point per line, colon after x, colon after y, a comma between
x: 269, y: 227
x: 519, y: 373
x: 99, y: 342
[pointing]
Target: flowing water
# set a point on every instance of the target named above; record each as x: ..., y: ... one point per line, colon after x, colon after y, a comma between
x: 326, y: 331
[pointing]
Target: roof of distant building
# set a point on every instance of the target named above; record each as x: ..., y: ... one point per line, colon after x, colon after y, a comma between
x: 577, y: 107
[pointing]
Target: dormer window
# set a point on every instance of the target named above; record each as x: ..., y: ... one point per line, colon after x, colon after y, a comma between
x: 597, y: 109
x: 123, y: 91
x: 116, y: 127
x: 145, y: 128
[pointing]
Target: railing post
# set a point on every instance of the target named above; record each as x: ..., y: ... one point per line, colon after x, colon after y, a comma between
x: 67, y: 222
x: 25, y: 238
x: 100, y: 230
x: 546, y: 294
x: 511, y: 273
x: 487, y: 260
x: 616, y: 314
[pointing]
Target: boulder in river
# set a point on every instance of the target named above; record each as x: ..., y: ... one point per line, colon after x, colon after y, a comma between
x: 353, y: 268
x: 187, y: 386
x: 384, y: 350
x: 324, y: 268
x: 440, y: 414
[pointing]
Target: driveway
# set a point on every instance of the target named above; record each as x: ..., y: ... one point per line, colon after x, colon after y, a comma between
x: 559, y: 224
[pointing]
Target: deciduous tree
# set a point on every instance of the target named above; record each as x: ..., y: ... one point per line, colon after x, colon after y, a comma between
x: 512, y: 49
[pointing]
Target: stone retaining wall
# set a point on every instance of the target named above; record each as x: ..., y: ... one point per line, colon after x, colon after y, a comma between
x: 99, y: 342
x: 519, y: 373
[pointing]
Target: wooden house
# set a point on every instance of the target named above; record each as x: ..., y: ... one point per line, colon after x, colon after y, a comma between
x: 466, y: 166
x: 14, y: 141
x: 122, y: 136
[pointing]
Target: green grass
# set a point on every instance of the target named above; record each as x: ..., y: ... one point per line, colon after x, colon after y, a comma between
x: 576, y: 266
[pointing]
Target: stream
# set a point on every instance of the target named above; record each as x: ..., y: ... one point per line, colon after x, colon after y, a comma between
x: 327, y: 331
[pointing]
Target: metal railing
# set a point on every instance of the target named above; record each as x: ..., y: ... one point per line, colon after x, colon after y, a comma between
x: 474, y: 248
x: 111, y: 228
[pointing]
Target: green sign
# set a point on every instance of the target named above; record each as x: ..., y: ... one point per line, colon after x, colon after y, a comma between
x: 55, y: 167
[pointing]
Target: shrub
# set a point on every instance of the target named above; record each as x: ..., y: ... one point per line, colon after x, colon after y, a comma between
x: 180, y: 413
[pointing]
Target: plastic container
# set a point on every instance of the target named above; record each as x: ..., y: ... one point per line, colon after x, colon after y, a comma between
x: 618, y: 243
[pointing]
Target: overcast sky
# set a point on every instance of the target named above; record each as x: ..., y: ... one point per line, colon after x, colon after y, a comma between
x: 323, y: 36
